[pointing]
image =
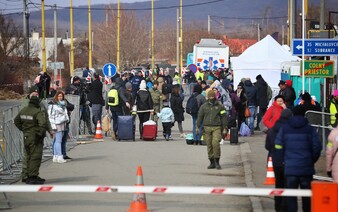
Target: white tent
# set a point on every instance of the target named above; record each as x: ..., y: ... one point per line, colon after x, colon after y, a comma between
x: 265, y: 57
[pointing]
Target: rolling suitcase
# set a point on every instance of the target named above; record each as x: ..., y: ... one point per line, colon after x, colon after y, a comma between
x: 149, y: 131
x: 233, y: 135
x: 125, y: 123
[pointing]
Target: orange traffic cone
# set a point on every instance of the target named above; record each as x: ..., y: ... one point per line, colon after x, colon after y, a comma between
x: 270, y: 175
x: 139, y: 203
x: 98, y: 132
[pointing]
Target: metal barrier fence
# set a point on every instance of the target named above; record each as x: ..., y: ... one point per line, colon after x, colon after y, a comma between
x: 11, y: 154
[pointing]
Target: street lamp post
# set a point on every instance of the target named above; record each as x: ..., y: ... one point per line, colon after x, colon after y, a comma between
x: 181, y: 37
x: 71, y: 39
x: 152, y: 36
x: 118, y: 36
x: 90, y: 65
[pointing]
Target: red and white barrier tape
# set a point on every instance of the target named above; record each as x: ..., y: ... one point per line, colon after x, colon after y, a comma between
x: 156, y: 190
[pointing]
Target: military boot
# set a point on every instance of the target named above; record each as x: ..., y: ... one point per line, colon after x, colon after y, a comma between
x: 217, y: 163
x: 212, y: 163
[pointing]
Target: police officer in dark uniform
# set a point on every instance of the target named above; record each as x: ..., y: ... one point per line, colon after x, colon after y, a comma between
x: 32, y: 121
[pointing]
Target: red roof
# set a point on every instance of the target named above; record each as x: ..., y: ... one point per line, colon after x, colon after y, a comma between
x: 238, y: 46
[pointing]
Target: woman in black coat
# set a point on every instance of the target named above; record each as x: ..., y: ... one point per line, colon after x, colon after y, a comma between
x: 176, y: 104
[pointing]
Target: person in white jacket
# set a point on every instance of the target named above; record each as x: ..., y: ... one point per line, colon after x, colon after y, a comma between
x: 331, y: 155
x: 58, y: 117
x: 167, y: 117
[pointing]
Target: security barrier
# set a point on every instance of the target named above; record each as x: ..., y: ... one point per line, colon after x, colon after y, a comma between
x: 11, y: 154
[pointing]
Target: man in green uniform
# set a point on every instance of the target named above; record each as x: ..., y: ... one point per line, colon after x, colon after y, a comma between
x: 32, y: 121
x: 156, y: 95
x: 213, y: 116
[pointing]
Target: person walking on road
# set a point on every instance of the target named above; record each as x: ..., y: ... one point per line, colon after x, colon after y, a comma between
x: 95, y: 98
x: 213, y: 116
x: 262, y: 98
x: 144, y: 104
x: 299, y: 146
x: 31, y: 120
x: 167, y: 117
x: 156, y: 95
x: 331, y: 155
x: 274, y: 112
x: 58, y: 117
x: 176, y: 104
x: 278, y: 166
x: 334, y: 109
x: 200, y: 100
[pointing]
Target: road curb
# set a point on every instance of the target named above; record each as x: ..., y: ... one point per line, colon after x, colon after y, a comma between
x: 256, y: 203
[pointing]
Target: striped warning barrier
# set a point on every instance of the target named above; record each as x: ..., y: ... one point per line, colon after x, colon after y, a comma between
x: 156, y: 190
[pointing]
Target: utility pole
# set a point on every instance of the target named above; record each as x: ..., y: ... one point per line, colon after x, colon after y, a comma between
x: 209, y: 22
x: 181, y: 37
x: 56, y: 47
x: 258, y: 32
x: 44, y: 68
x: 71, y: 39
x: 118, y: 36
x: 322, y: 14
x: 26, y: 44
x: 178, y: 40
x: 152, y: 36
x: 89, y: 37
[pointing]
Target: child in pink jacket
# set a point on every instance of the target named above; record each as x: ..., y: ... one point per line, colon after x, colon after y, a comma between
x: 331, y: 155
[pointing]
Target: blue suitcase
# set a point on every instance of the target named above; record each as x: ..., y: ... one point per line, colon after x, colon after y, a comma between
x: 126, y: 128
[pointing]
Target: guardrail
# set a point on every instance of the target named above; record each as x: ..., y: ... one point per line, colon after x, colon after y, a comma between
x: 11, y: 154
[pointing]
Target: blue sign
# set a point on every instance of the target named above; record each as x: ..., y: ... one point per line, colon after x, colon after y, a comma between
x: 315, y: 47
x: 192, y: 67
x: 109, y: 70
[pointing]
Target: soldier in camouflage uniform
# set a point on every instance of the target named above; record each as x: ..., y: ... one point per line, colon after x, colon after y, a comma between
x: 213, y: 116
x: 156, y: 95
x: 32, y: 121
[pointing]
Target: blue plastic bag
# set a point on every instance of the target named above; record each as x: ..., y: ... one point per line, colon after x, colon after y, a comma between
x: 244, y: 130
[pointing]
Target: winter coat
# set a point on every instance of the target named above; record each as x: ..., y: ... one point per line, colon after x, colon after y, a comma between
x: 176, y: 104
x: 331, y: 154
x: 333, y: 110
x: 212, y: 114
x: 262, y: 93
x: 119, y: 86
x: 144, y: 101
x: 135, y: 83
x: 298, y: 144
x: 287, y: 94
x: 270, y: 142
x: 58, y: 116
x: 166, y: 115
x: 251, y: 93
x: 272, y: 115
x: 95, y: 92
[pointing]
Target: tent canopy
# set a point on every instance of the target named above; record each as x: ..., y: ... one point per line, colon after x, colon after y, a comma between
x: 266, y: 58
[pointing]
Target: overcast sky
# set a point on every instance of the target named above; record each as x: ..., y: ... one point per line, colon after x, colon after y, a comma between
x: 10, y: 6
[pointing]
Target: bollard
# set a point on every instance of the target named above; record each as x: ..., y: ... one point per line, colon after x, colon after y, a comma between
x: 233, y: 135
x: 324, y: 196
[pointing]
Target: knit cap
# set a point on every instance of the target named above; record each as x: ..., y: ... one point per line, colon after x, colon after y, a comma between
x: 211, y: 94
x: 143, y: 85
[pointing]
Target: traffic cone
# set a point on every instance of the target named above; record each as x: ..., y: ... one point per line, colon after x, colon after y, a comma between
x: 270, y: 175
x: 98, y: 132
x: 139, y: 203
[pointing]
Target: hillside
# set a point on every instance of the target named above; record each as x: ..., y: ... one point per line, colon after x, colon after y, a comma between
x: 239, y: 14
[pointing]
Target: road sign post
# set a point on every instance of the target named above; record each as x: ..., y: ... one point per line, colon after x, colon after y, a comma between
x: 109, y: 70
x: 318, y: 68
x: 315, y: 47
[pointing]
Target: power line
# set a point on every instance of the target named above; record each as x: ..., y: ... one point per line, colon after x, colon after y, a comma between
x: 246, y: 18
x: 138, y: 9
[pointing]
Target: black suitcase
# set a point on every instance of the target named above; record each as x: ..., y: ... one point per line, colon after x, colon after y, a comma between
x: 126, y: 128
x: 233, y: 135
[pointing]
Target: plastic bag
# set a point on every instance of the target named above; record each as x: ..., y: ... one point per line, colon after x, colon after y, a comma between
x: 262, y: 127
x: 244, y: 130
x: 106, y: 123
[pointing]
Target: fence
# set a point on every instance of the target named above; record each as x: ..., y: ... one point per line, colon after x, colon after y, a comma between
x: 11, y: 154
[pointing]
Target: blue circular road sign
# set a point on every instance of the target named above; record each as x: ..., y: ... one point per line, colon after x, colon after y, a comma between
x: 109, y: 70
x: 192, y: 67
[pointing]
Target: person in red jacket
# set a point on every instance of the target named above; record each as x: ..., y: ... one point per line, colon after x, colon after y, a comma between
x: 274, y: 112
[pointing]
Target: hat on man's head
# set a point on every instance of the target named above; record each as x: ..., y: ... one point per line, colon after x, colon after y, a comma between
x: 143, y: 84
x: 306, y: 96
x: 281, y: 82
x: 299, y: 110
x: 211, y: 94
x: 259, y: 77
x: 335, y: 93
x: 76, y: 78
x: 286, y: 113
x: 128, y: 85
x: 166, y: 104
x: 33, y: 89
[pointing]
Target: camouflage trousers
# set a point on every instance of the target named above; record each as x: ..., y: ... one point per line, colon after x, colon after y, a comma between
x: 212, y: 136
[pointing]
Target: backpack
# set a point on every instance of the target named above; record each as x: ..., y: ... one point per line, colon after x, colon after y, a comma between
x: 269, y: 93
x: 166, y: 89
x: 226, y: 100
x: 192, y: 106
x: 113, y: 97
